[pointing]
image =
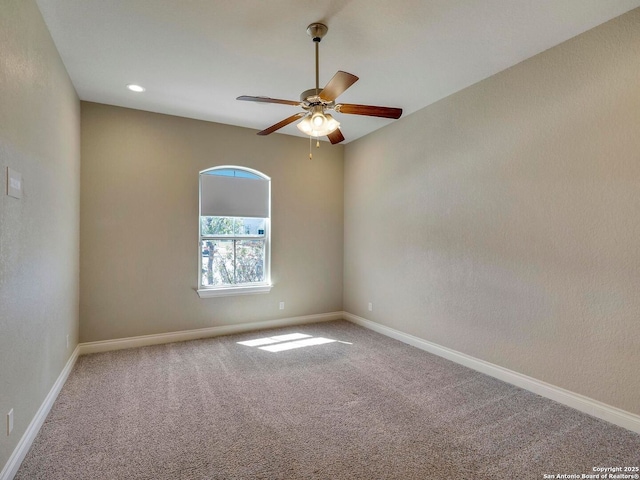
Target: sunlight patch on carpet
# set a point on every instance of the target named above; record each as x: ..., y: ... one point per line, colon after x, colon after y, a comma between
x: 280, y: 343
x: 308, y: 342
x: 275, y: 339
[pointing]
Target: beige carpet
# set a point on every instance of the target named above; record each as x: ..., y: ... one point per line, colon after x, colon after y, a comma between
x: 368, y: 408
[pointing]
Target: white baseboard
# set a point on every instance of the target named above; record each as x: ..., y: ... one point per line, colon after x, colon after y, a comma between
x: 13, y: 464
x: 157, y: 339
x: 584, y: 404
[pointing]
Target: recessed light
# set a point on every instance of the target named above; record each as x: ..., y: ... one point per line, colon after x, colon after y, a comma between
x: 135, y: 88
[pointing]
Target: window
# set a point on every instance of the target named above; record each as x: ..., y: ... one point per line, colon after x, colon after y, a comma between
x: 234, y: 232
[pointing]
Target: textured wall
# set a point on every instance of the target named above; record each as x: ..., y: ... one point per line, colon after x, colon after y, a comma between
x: 504, y: 221
x: 139, y: 223
x: 39, y: 234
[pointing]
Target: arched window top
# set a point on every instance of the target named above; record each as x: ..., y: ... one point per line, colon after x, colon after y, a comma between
x: 231, y: 191
x: 238, y: 172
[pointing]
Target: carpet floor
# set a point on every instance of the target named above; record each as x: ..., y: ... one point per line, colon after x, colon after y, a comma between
x: 358, y: 406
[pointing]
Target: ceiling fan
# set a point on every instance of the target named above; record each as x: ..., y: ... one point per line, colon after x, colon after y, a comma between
x: 316, y: 102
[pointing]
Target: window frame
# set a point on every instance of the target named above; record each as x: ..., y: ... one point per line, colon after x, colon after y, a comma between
x: 235, y: 289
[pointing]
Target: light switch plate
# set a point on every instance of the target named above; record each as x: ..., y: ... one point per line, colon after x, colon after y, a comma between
x: 14, y: 183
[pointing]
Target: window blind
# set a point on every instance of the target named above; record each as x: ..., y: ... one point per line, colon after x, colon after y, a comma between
x: 223, y: 196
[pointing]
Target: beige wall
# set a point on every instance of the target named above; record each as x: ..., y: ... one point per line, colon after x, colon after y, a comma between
x: 139, y: 223
x: 504, y: 221
x: 39, y: 234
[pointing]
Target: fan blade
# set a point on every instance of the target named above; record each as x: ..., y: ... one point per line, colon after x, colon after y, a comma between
x: 336, y: 136
x: 267, y: 100
x: 281, y: 124
x: 369, y: 110
x: 337, y: 85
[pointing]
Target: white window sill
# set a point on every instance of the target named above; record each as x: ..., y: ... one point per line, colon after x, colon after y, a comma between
x: 228, y: 291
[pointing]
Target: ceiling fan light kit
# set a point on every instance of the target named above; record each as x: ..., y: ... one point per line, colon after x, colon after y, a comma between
x: 318, y: 123
x: 315, y: 102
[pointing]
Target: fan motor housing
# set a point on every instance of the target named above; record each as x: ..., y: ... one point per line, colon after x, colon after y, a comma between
x: 310, y: 98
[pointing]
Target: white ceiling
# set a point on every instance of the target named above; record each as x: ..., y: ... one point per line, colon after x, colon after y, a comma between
x: 196, y: 56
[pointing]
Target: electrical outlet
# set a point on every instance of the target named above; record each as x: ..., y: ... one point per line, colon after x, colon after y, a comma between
x: 9, y: 422
x: 281, y: 305
x: 370, y: 306
x: 67, y: 342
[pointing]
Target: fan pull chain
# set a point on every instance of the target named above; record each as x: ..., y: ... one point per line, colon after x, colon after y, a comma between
x: 317, y: 146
